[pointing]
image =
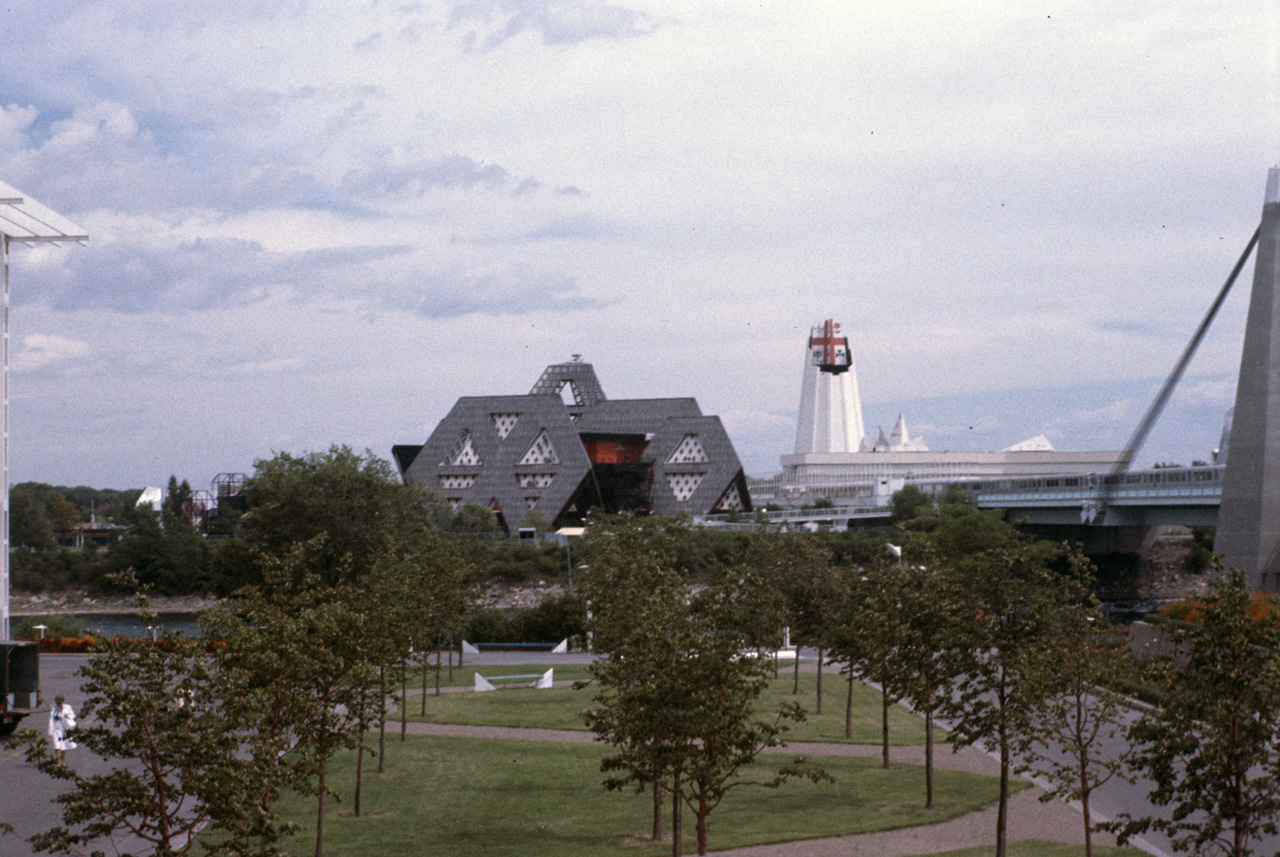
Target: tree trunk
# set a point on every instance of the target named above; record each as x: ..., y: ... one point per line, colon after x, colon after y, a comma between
x: 676, y: 831
x: 320, y: 818
x: 382, y: 718
x: 425, y: 660
x: 1088, y: 832
x: 928, y: 761
x: 775, y: 663
x: 795, y: 684
x: 848, y: 707
x: 1002, y: 818
x: 460, y: 642
x: 451, y: 666
x: 359, y: 775
x: 404, y: 697
x: 884, y: 725
x: 818, y: 710
x: 439, y: 648
x: 701, y: 825
x: 657, y: 812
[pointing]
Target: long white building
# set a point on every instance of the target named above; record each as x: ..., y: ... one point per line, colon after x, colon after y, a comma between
x: 835, y: 459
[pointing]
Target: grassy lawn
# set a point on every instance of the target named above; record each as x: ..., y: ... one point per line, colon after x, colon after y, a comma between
x: 558, y: 708
x: 462, y: 796
x: 1036, y: 848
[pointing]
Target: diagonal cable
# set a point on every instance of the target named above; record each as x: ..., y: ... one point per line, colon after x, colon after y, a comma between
x: 1112, y: 480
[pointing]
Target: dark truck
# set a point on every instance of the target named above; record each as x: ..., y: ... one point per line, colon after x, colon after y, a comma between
x: 19, y: 682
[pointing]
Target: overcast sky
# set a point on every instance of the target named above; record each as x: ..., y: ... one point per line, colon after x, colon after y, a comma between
x: 319, y: 223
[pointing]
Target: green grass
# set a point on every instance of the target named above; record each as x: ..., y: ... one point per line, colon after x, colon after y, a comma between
x: 558, y: 708
x: 463, y: 796
x: 1038, y: 848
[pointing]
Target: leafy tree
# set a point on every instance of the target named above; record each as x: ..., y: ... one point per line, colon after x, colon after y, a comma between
x: 474, y: 518
x: 290, y: 661
x: 1210, y: 749
x: 163, y: 550
x: 1084, y: 707
x: 907, y: 502
x: 677, y: 698
x: 932, y: 619
x: 154, y: 711
x: 30, y: 525
x: 1011, y: 596
x: 355, y: 500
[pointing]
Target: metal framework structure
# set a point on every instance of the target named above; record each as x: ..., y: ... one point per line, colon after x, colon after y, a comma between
x: 24, y: 221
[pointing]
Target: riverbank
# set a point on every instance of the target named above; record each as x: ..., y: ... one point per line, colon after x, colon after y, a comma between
x: 52, y: 604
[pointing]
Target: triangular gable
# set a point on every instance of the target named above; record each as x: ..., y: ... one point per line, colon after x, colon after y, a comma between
x: 731, y: 500
x: 462, y: 453
x: 689, y: 451
x: 540, y: 451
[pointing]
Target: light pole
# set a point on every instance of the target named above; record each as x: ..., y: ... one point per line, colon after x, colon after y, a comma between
x: 26, y: 221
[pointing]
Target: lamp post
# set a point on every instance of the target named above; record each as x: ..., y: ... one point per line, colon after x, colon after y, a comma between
x: 26, y: 221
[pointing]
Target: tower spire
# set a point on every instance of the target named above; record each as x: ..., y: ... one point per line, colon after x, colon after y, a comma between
x: 830, y: 409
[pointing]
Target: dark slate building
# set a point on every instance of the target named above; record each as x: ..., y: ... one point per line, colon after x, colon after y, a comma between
x: 541, y: 452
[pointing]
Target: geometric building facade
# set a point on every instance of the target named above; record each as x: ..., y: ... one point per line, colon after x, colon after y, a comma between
x: 538, y: 452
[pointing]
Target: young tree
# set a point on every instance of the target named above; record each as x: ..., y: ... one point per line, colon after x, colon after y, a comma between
x: 1011, y: 596
x: 1084, y: 708
x: 677, y: 696
x: 931, y: 618
x: 1210, y: 747
x: 156, y: 713
x: 291, y: 668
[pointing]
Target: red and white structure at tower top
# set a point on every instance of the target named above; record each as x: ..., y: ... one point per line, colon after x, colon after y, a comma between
x: 830, y: 408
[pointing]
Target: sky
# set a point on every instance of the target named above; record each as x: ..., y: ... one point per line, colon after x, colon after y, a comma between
x: 322, y: 223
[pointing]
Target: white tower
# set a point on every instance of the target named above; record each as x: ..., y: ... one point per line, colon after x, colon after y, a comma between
x: 830, y: 410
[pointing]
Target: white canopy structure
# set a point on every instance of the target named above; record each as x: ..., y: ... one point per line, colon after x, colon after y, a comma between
x: 26, y: 221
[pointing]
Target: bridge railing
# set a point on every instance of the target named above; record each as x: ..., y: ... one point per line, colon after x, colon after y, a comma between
x: 1161, y: 482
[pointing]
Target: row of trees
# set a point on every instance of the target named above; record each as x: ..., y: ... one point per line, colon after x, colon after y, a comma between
x: 349, y: 577
x: 967, y: 621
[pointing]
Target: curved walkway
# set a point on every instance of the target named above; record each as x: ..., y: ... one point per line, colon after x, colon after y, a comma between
x: 1028, y: 818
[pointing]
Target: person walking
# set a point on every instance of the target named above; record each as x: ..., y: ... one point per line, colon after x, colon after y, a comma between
x: 62, y: 719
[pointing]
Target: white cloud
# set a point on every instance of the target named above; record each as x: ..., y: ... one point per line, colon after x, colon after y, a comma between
x: 992, y: 197
x: 40, y: 349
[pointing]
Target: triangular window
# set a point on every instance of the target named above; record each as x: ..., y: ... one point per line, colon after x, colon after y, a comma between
x: 540, y: 451
x: 689, y: 451
x: 462, y: 453
x: 530, y: 503
x: 731, y: 501
x: 684, y: 484
x: 504, y: 423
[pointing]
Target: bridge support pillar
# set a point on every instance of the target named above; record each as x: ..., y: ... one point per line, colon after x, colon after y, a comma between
x: 1248, y: 535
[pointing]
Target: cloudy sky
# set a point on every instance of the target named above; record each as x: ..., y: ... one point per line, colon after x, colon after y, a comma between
x: 319, y: 223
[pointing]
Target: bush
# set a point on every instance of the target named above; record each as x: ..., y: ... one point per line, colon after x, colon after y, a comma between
x: 56, y: 625
x: 555, y: 618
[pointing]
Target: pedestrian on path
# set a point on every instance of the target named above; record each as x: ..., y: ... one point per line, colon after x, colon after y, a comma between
x: 62, y: 719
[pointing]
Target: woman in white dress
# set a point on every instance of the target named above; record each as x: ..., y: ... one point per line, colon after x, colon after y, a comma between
x: 62, y: 719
